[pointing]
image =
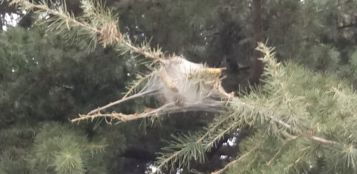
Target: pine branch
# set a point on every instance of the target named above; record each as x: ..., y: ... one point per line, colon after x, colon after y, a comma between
x: 242, y: 157
x: 107, y: 30
x: 136, y: 84
x: 273, y: 69
x: 122, y: 117
x: 257, y: 109
x: 210, y: 136
x: 124, y: 99
x: 284, y: 124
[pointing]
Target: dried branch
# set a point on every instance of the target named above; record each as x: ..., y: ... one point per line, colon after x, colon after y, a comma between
x: 108, y: 32
x: 124, y: 99
x: 122, y: 117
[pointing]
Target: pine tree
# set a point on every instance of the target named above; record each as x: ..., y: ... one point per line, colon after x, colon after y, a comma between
x: 299, y: 121
x: 36, y: 89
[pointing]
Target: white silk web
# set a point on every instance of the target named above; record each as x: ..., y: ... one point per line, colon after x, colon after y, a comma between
x: 179, y: 85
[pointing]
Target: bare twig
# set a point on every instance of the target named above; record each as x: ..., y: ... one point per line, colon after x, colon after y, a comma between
x: 122, y: 117
x: 119, y: 101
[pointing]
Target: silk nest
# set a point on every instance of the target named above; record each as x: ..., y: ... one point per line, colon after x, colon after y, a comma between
x: 179, y: 85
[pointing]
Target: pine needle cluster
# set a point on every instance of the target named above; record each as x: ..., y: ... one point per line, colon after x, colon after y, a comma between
x: 62, y: 150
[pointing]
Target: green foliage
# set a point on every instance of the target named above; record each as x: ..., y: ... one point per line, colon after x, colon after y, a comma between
x: 46, y: 73
x: 318, y: 106
x: 44, y: 78
x: 68, y: 162
x: 56, y: 149
x: 301, y: 120
x: 298, y: 119
x: 63, y: 150
x: 14, y: 146
x: 186, y: 149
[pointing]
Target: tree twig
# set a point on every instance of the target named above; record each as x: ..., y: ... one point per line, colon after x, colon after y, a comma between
x: 122, y: 117
x: 235, y: 161
x: 119, y: 101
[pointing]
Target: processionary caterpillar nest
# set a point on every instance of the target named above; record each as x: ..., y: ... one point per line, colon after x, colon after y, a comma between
x: 180, y: 84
